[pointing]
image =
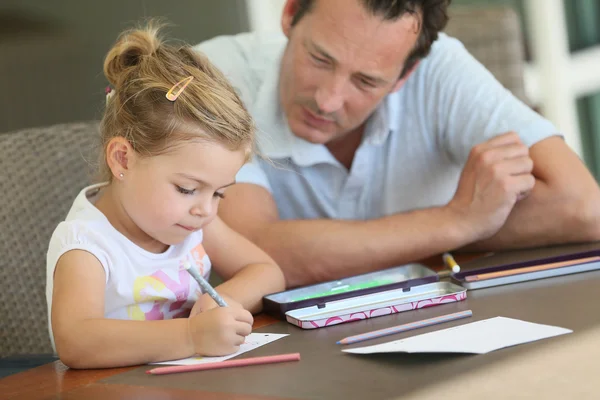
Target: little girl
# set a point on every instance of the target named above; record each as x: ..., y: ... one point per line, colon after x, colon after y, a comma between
x: 174, y: 136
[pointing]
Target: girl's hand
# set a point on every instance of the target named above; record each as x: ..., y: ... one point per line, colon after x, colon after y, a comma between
x: 205, y: 303
x: 219, y: 331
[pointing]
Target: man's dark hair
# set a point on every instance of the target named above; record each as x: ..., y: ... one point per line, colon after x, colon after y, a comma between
x: 433, y: 15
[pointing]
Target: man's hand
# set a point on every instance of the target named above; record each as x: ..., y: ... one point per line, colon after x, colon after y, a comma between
x: 497, y: 175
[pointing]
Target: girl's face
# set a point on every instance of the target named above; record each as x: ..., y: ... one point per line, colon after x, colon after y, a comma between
x: 172, y: 195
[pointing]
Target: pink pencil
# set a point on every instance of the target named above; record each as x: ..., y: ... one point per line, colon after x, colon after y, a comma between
x: 225, y: 364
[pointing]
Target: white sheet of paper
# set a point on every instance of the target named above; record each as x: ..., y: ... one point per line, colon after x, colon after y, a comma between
x: 253, y: 341
x: 477, y: 338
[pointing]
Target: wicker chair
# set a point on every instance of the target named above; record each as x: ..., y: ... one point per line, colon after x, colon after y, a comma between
x: 41, y: 172
x: 493, y: 36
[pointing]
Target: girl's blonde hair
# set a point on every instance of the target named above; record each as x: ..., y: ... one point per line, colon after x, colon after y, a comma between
x: 142, y: 68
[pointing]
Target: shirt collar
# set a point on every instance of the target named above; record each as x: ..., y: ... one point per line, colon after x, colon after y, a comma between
x: 384, y: 121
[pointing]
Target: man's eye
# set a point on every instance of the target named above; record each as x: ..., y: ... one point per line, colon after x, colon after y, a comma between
x: 366, y: 83
x: 319, y: 60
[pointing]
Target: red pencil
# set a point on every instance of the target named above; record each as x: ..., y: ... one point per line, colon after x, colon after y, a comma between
x: 225, y: 364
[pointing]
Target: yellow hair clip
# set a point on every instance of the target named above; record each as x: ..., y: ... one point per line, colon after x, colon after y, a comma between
x: 178, y: 88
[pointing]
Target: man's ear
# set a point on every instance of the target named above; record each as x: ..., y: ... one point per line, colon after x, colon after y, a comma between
x: 401, y: 81
x: 290, y: 9
x: 119, y: 156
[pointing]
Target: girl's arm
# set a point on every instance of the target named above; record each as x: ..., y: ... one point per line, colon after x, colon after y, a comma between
x: 85, y: 339
x: 249, y: 273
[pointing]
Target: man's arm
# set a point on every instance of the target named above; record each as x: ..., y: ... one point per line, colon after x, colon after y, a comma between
x: 310, y: 251
x: 564, y: 205
x: 470, y: 105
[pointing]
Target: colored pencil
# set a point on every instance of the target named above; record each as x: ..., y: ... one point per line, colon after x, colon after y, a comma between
x: 524, y: 270
x: 406, y: 327
x: 205, y: 285
x: 225, y: 364
x: 451, y: 262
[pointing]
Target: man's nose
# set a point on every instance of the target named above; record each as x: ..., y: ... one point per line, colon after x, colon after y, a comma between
x: 329, y: 96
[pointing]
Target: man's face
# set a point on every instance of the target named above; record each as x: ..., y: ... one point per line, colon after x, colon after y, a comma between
x: 339, y: 63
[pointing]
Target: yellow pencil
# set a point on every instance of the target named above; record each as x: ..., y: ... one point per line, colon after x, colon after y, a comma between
x: 451, y: 262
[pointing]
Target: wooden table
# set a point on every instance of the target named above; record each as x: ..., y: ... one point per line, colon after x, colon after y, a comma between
x: 325, y: 372
x: 56, y: 380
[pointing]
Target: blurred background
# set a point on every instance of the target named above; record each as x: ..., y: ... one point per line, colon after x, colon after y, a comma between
x: 51, y: 55
x: 51, y: 52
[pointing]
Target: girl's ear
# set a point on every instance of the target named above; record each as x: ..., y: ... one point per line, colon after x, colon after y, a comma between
x: 120, y: 156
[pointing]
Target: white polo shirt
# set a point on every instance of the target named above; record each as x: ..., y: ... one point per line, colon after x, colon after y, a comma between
x: 414, y: 146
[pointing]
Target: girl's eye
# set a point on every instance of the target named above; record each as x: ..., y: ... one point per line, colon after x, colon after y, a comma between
x: 184, y: 190
x: 220, y: 195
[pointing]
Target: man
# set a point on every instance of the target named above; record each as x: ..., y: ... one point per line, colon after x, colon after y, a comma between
x: 384, y: 147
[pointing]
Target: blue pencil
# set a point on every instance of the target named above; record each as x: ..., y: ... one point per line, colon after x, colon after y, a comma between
x: 204, y: 285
